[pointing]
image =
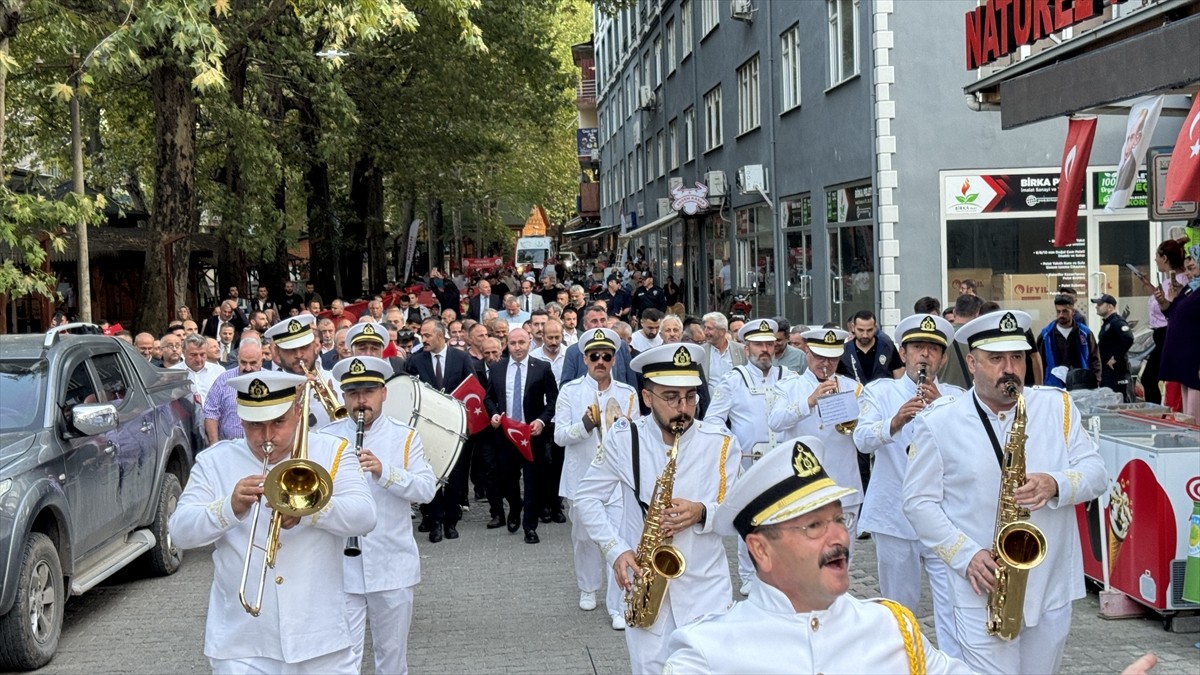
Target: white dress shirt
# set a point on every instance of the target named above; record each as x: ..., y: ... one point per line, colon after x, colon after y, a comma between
x: 510, y: 382
x: 641, y: 343
x: 556, y: 361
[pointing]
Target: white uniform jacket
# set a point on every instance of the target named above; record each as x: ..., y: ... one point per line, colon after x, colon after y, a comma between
x: 880, y: 401
x: 743, y: 396
x: 304, y: 607
x: 389, y: 557
x: 765, y: 634
x: 953, y: 486
x: 790, y: 417
x: 707, y: 465
x: 580, y: 447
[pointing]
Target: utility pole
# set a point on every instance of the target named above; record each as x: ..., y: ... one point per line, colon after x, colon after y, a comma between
x: 83, y: 268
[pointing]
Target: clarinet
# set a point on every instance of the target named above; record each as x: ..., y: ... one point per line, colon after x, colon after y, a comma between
x: 353, y: 545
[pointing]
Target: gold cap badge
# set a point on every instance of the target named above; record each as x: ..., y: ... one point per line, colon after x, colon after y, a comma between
x: 357, y: 367
x: 295, y: 326
x: 682, y: 358
x: 928, y: 325
x: 258, y: 390
x: 804, y: 462
x: 830, y: 338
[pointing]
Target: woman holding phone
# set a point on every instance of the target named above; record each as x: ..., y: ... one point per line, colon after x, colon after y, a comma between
x: 1169, y: 259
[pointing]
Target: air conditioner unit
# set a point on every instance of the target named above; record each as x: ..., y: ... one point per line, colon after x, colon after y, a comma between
x: 674, y: 182
x: 716, y: 183
x: 641, y: 209
x: 664, y: 207
x: 752, y: 178
x: 741, y: 10
x: 646, y: 98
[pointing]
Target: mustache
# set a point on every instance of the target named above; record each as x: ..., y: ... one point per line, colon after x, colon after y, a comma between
x: 838, y: 552
x: 682, y: 418
x: 1009, y: 377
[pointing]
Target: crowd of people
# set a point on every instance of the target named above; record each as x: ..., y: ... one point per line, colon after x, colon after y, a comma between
x: 798, y: 441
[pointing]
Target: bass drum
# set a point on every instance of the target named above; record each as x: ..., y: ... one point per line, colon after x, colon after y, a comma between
x: 440, y: 420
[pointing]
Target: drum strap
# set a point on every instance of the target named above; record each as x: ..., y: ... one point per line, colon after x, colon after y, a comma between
x: 637, y: 470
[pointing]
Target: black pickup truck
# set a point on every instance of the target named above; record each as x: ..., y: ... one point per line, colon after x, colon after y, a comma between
x: 95, y: 445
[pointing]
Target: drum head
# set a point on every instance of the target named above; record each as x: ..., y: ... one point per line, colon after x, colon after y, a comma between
x: 440, y: 420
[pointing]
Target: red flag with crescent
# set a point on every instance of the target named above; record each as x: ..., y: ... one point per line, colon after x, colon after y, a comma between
x: 519, y: 434
x: 1183, y: 176
x: 470, y: 392
x: 1080, y: 133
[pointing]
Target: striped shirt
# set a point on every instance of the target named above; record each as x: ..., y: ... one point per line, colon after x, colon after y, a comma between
x: 221, y: 405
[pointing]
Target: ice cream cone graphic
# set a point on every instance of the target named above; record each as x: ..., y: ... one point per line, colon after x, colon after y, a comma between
x: 1120, y: 517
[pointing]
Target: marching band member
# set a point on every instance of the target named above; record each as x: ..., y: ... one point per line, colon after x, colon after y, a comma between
x: 800, y: 618
x: 885, y: 429
x: 794, y: 411
x: 635, y: 456
x: 302, y: 625
x: 743, y: 398
x: 380, y: 580
x: 298, y: 352
x: 586, y: 409
x: 952, y: 495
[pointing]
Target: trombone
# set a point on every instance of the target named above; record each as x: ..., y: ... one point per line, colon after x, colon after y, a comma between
x: 296, y: 487
x: 324, y: 394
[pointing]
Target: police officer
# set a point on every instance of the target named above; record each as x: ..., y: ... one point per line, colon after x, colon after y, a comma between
x: 1114, y: 341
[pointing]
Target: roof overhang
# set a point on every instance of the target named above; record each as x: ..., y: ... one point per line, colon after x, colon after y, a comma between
x: 652, y: 226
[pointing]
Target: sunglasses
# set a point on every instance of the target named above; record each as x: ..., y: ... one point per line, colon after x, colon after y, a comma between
x: 596, y: 356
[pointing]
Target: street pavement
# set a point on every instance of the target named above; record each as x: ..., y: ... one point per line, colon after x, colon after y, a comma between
x: 490, y: 603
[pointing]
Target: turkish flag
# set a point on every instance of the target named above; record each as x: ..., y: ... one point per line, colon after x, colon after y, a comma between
x: 1078, y: 150
x: 470, y: 392
x: 519, y: 434
x: 1183, y: 176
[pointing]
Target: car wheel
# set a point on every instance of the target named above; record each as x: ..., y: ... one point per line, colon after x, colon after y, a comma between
x: 165, y: 557
x: 29, y: 632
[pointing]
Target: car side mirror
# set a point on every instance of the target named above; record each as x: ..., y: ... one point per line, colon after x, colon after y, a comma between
x: 93, y: 419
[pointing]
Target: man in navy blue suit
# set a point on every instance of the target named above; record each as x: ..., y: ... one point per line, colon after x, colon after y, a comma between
x: 525, y: 390
x: 482, y: 301
x: 443, y: 369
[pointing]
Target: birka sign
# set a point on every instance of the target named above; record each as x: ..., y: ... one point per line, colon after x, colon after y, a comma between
x: 1000, y: 27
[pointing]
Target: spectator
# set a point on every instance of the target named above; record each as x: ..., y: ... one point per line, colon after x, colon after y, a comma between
x: 261, y: 301
x: 649, y: 296
x: 1067, y: 343
x: 144, y: 343
x: 291, y: 300
x: 1169, y: 259
x: 221, y: 421
x: 721, y: 354
x: 787, y: 355
x: 967, y: 287
x: 647, y: 335
x: 1181, y: 358
x: 1114, y: 342
x: 928, y: 305
x: 172, y: 350
x: 670, y: 329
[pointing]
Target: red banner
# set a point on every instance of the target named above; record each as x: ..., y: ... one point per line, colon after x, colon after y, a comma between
x: 1078, y: 150
x: 470, y: 392
x: 1183, y: 176
x: 519, y: 434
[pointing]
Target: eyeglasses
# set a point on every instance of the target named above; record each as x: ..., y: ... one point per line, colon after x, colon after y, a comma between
x: 673, y: 398
x: 596, y: 356
x: 817, y: 529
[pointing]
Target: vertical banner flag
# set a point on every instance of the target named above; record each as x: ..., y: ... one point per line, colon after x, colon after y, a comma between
x: 412, y: 248
x: 1183, y: 176
x: 470, y: 392
x: 1143, y: 117
x: 1080, y: 133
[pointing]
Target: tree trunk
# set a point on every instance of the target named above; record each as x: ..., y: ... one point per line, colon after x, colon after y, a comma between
x: 174, y: 216
x: 230, y: 263
x: 323, y: 228
x: 365, y: 234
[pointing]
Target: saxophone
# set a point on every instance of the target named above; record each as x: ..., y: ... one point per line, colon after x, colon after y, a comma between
x: 1018, y: 545
x: 659, y: 561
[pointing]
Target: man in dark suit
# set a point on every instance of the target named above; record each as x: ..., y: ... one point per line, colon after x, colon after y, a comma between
x: 524, y: 389
x: 483, y: 300
x: 573, y: 365
x: 443, y: 369
x: 227, y: 313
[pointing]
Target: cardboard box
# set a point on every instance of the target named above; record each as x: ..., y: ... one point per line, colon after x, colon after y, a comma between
x: 982, y: 276
x: 1032, y: 288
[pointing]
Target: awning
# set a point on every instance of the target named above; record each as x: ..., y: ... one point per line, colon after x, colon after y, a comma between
x: 588, y: 233
x: 653, y: 226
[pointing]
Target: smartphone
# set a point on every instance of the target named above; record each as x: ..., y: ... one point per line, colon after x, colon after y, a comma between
x: 1137, y: 273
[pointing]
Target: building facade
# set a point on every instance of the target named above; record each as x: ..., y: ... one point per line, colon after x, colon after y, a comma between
x: 835, y: 143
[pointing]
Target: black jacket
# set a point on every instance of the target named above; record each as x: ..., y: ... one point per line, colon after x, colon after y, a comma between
x: 456, y: 369
x: 539, y: 397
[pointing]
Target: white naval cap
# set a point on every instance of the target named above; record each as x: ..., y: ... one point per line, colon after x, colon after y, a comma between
x: 758, y: 330
x: 265, y: 395
x: 786, y: 483
x: 1002, y: 331
x: 359, y: 372
x: 599, y: 338
x: 368, y: 331
x: 827, y: 342
x: 293, y: 332
x: 672, y: 365
x: 924, y: 328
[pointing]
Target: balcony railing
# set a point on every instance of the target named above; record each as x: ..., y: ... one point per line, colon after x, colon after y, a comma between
x: 585, y: 92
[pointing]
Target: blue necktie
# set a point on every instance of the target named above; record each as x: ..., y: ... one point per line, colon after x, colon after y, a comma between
x: 518, y: 413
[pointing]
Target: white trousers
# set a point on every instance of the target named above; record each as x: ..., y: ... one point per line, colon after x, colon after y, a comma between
x: 390, y: 614
x: 341, y: 661
x: 899, y: 564
x: 648, y: 651
x: 589, y: 564
x: 1037, y: 649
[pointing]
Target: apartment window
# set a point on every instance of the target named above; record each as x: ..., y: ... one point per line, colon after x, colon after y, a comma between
x: 689, y: 133
x: 658, y: 56
x: 662, y: 154
x: 631, y: 90
x: 671, y: 46
x: 685, y: 15
x: 789, y: 60
x: 650, y: 160
x: 712, y: 119
x: 843, y: 40
x: 646, y: 70
x: 640, y: 171
x: 748, y: 96
x: 710, y: 16
x: 673, y: 135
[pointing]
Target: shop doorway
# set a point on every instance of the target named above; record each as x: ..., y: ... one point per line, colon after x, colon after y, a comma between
x: 852, y: 270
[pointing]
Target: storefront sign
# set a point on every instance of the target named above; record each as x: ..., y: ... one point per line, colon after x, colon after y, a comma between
x: 1000, y: 27
x: 799, y: 212
x: 1159, y: 160
x: 1104, y: 182
x: 587, y: 141
x: 846, y: 205
x: 690, y: 200
x: 1001, y: 193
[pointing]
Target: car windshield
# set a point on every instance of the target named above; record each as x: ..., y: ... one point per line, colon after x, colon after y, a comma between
x: 536, y: 256
x: 22, y: 390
